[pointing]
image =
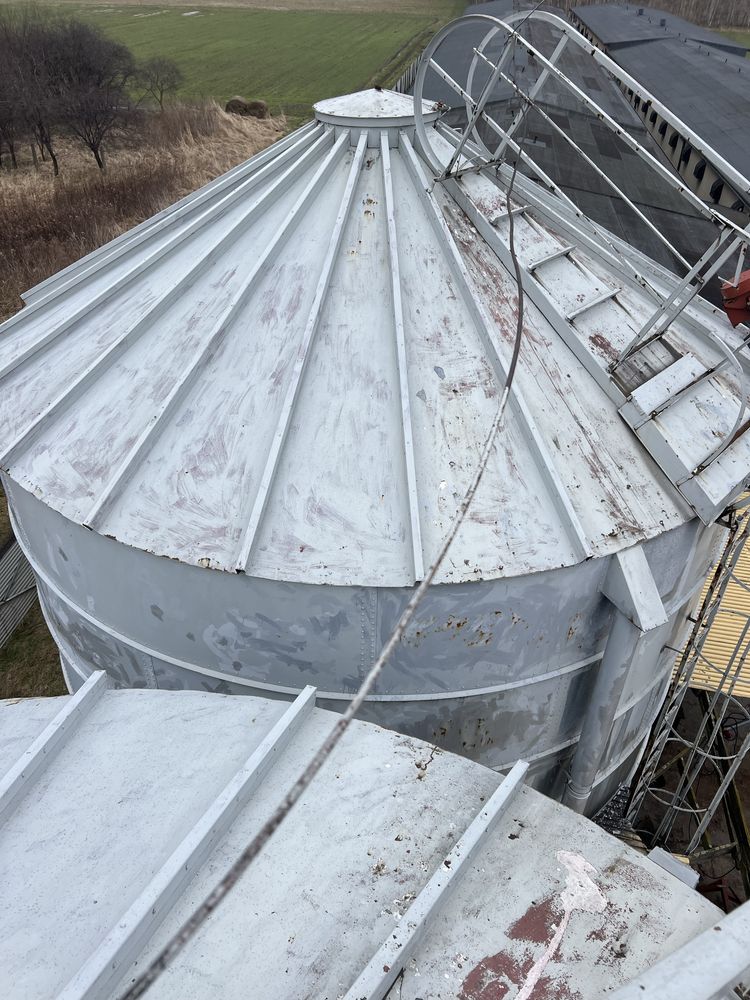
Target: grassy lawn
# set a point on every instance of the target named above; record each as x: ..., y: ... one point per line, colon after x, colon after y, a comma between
x: 289, y: 57
x: 738, y: 35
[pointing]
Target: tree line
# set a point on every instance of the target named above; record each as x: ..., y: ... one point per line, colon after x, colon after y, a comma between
x: 60, y: 75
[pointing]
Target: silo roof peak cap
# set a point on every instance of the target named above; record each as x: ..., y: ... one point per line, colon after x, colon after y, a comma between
x: 375, y: 108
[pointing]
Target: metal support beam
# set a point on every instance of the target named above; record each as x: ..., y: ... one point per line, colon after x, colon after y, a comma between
x: 550, y: 257
x: 126, y: 940
x: 49, y: 742
x: 384, y: 968
x: 611, y: 293
x: 601, y: 174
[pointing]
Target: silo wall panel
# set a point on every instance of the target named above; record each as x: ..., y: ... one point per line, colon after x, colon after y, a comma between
x: 493, y: 669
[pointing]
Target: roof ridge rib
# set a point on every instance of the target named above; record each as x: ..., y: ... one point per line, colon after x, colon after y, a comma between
x: 386, y: 965
x: 122, y: 945
x: 558, y: 494
x: 403, y: 370
x: 50, y: 741
x: 148, y: 436
x: 208, y: 215
x: 250, y: 531
x: 74, y: 390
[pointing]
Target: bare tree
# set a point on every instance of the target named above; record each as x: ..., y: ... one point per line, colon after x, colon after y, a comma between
x: 93, y: 84
x: 160, y: 77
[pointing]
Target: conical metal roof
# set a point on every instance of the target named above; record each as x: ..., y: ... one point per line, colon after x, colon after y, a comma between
x: 291, y: 372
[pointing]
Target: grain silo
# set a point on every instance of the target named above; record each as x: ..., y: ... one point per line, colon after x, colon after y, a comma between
x: 234, y: 439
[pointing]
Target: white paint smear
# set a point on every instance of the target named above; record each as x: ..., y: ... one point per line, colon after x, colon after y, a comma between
x: 580, y: 893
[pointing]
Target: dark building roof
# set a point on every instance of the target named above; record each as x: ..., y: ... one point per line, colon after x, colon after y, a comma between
x: 707, y: 88
x: 619, y: 25
x: 663, y: 206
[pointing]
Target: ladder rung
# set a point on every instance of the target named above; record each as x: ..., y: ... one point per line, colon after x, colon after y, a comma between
x: 504, y: 215
x: 562, y: 252
x: 660, y: 391
x: 604, y: 297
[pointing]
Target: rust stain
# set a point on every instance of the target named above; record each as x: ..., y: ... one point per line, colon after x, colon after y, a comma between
x: 538, y: 922
x: 604, y: 346
x: 498, y: 977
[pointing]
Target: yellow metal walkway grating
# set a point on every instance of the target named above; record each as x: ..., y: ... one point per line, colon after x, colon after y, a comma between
x: 726, y: 632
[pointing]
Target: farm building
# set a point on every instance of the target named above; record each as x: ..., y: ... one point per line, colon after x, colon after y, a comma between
x: 701, y: 76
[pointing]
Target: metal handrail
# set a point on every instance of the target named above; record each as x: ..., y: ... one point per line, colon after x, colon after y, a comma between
x: 730, y: 237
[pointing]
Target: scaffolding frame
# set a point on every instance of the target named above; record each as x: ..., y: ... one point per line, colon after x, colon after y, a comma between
x: 673, y: 766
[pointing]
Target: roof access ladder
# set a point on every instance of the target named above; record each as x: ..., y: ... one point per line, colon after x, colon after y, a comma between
x: 634, y: 337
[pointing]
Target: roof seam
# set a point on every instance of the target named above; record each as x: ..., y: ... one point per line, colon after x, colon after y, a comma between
x: 187, y: 378
x: 130, y: 934
x: 568, y: 517
x: 100, y: 365
x: 83, y: 268
x: 142, y: 265
x: 403, y: 376
x: 251, y: 529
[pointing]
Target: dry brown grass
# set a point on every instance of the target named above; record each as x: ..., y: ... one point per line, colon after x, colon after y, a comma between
x: 46, y: 223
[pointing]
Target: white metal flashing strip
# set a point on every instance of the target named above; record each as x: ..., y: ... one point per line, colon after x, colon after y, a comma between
x: 558, y: 493
x: 403, y: 377
x: 209, y: 214
x: 126, y: 940
x: 708, y: 967
x: 188, y: 376
x: 104, y: 361
x: 384, y: 968
x: 303, y: 353
x: 49, y: 742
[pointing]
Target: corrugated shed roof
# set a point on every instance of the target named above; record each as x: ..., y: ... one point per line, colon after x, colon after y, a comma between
x: 725, y: 637
x: 616, y: 24
x: 704, y: 86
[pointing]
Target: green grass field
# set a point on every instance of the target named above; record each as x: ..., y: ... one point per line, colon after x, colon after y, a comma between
x: 737, y: 35
x: 291, y: 58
